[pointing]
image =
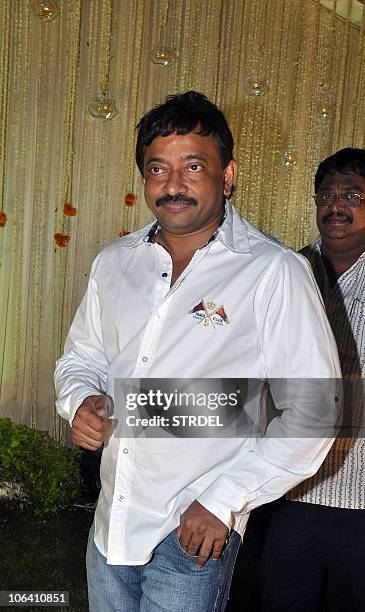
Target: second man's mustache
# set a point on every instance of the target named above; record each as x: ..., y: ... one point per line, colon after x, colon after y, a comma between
x: 341, y: 215
x: 178, y: 198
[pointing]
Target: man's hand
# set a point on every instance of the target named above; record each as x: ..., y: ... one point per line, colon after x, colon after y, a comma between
x: 89, y: 426
x: 201, y: 533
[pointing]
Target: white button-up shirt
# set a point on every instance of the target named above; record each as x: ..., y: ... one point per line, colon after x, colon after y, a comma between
x: 340, y: 480
x: 133, y: 324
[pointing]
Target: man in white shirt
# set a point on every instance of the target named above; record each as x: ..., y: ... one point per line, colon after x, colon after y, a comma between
x: 316, y: 539
x: 198, y: 294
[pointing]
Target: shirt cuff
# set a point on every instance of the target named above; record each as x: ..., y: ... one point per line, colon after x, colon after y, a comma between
x: 68, y: 407
x: 221, y: 511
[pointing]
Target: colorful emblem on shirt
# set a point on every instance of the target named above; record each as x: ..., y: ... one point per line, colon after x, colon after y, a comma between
x: 208, y: 313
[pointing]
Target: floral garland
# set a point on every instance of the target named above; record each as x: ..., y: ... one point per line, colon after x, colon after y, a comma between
x: 4, y: 59
x: 63, y: 238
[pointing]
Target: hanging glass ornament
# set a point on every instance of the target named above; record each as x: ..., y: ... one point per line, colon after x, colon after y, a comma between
x: 46, y: 11
x: 103, y: 107
x: 163, y: 55
x: 325, y: 109
x: 289, y: 156
x: 325, y: 112
x: 256, y: 87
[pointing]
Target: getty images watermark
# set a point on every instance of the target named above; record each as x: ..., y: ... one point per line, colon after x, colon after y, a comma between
x: 158, y: 400
x: 230, y: 408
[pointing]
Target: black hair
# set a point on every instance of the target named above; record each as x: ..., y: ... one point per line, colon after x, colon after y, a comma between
x: 182, y: 114
x: 344, y: 161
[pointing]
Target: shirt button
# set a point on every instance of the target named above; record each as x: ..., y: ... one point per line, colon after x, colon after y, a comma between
x: 125, y: 451
x: 164, y: 274
x: 144, y: 359
x: 121, y: 498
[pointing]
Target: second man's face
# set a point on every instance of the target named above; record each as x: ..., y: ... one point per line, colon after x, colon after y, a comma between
x: 342, y: 227
x: 185, y: 182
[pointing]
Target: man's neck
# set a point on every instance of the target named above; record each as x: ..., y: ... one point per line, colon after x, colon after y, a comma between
x: 337, y: 263
x: 180, y: 245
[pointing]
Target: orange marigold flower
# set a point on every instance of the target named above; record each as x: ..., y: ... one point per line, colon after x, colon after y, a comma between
x: 3, y: 218
x: 130, y: 199
x: 62, y: 240
x: 69, y: 210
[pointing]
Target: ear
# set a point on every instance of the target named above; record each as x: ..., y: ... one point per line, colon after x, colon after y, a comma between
x: 230, y: 173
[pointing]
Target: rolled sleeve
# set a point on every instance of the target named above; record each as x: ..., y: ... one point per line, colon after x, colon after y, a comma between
x: 83, y: 368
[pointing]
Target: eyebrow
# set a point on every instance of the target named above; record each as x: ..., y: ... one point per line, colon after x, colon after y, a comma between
x: 199, y: 157
x: 160, y: 160
x: 352, y: 186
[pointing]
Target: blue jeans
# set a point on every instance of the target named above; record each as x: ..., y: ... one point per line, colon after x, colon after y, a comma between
x: 170, y: 582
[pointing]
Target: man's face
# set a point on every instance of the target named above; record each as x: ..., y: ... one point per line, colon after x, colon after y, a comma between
x: 185, y: 182
x: 342, y: 228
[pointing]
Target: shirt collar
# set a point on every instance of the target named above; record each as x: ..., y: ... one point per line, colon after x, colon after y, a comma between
x: 232, y: 233
x: 348, y: 281
x: 317, y: 244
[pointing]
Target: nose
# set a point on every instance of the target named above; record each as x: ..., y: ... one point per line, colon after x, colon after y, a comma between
x: 175, y: 183
x: 336, y: 203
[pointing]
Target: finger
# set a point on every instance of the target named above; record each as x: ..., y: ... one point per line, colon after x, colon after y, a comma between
x: 86, y: 446
x: 94, y: 402
x: 87, y: 413
x: 217, y: 550
x: 96, y: 432
x: 102, y: 406
x: 102, y: 412
x: 85, y: 431
x: 184, y: 538
x: 88, y: 435
x: 204, y: 552
x: 193, y: 546
x: 85, y: 442
x: 89, y: 402
x: 88, y: 422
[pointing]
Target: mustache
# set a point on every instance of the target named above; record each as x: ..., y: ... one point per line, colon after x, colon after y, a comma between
x: 177, y: 198
x: 338, y: 215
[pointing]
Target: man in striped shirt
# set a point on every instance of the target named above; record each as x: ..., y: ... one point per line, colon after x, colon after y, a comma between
x: 316, y: 539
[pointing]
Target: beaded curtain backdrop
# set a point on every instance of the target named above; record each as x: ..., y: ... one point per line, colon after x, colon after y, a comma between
x: 288, y: 75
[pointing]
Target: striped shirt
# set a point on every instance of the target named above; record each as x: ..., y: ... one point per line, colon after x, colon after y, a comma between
x: 340, y: 481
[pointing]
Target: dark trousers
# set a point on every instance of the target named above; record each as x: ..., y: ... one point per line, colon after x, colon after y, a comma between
x: 313, y: 551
